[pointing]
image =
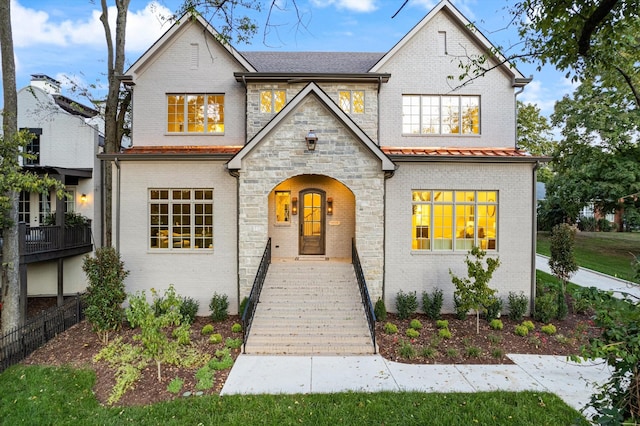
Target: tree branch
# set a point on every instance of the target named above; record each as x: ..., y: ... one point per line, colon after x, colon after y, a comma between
x: 629, y: 81
x: 601, y: 12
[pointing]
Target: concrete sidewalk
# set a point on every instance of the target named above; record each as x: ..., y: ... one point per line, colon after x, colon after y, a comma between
x: 588, y: 278
x: 252, y: 374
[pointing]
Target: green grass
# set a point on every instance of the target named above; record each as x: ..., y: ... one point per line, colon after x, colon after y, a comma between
x: 606, y: 252
x: 62, y: 396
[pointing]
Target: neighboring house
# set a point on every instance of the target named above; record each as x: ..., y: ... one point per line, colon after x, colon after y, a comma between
x: 66, y: 136
x: 412, y: 171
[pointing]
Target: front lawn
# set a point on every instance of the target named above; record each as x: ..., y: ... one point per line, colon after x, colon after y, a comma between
x: 608, y: 252
x: 61, y: 395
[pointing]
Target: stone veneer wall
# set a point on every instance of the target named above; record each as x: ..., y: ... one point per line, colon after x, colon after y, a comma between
x: 368, y: 121
x: 339, y: 155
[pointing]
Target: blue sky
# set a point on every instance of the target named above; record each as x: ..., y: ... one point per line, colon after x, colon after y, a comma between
x: 67, y: 39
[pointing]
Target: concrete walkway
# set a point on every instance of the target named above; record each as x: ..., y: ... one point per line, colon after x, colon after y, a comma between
x: 588, y: 278
x: 574, y: 383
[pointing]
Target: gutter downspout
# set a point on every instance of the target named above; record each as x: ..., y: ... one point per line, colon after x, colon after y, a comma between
x: 515, y: 97
x: 534, y: 214
x: 118, y: 179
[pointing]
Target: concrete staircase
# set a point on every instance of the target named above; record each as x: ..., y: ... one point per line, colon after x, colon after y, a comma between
x: 310, y: 307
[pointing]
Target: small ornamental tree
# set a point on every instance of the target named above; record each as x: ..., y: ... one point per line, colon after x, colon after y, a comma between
x: 105, y: 293
x: 153, y: 325
x: 562, y: 261
x: 473, y: 292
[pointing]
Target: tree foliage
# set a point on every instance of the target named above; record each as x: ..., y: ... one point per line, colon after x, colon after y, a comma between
x: 534, y: 135
x: 562, y: 261
x: 473, y: 292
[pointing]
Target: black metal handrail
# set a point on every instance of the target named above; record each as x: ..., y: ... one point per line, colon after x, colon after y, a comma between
x: 364, y: 294
x: 41, y: 239
x: 254, y: 296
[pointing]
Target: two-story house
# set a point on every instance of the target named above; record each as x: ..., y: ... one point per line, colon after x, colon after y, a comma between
x: 314, y: 150
x: 65, y: 140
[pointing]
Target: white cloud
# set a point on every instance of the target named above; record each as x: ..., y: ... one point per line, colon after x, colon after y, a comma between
x: 36, y: 27
x: 352, y: 5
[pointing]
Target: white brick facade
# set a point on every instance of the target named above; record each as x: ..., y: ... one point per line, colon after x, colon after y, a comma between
x: 371, y: 194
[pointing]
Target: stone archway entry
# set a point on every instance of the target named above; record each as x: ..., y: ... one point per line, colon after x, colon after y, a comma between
x: 312, y: 222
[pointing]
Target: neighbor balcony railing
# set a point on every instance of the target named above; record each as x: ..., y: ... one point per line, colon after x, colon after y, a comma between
x: 254, y: 296
x: 42, y: 239
x: 364, y: 294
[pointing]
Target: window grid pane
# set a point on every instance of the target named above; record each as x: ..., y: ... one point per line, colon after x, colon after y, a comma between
x: 181, y: 219
x: 358, y: 102
x: 344, y: 100
x: 202, y: 113
x: 430, y: 114
x: 454, y: 220
x: 411, y: 114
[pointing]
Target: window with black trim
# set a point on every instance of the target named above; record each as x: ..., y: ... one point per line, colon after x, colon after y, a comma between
x: 181, y: 219
x: 454, y: 220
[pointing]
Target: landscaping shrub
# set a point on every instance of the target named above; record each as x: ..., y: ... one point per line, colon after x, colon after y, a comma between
x: 412, y: 333
x: 390, y: 328
x: 219, y: 306
x: 584, y: 299
x: 207, y: 329
x: 521, y: 330
x: 496, y: 324
x: 493, y: 309
x: 428, y: 352
x: 442, y: 324
x: 415, y: 324
x: 548, y: 329
x: 518, y: 304
x: 215, y: 338
x: 182, y: 334
x: 243, y: 305
x: 445, y: 333
x: 380, y: 310
x: 236, y: 328
x: 189, y: 309
x: 406, y: 304
x: 546, y: 307
x: 407, y: 350
x: 461, y: 311
x: 175, y: 385
x: 233, y: 343
x: 531, y: 326
x: 432, y: 303
x: 105, y: 292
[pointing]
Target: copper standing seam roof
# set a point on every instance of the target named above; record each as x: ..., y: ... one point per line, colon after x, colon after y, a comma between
x: 388, y: 150
x: 454, y: 152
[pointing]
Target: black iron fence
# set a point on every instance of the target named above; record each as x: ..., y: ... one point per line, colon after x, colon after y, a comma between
x: 364, y: 294
x: 254, y: 296
x: 17, y: 344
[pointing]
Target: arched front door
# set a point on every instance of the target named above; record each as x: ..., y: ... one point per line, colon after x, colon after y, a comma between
x: 312, y: 222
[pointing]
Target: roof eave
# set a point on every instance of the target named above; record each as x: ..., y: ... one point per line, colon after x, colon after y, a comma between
x: 405, y: 158
x: 307, y: 77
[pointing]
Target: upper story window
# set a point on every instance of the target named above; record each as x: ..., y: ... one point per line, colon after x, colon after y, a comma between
x: 440, y: 115
x: 272, y: 100
x: 24, y: 207
x: 454, y: 220
x: 195, y: 113
x: 351, y: 101
x: 33, y: 147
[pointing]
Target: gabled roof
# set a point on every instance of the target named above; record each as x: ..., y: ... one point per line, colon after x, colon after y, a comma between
x: 311, y: 89
x: 174, y: 29
x: 474, y: 33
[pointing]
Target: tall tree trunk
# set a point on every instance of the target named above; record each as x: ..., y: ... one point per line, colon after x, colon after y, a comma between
x: 10, y: 248
x: 112, y: 129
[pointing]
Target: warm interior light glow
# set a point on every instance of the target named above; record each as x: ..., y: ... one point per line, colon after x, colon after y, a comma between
x: 83, y: 198
x: 329, y: 205
x: 294, y: 205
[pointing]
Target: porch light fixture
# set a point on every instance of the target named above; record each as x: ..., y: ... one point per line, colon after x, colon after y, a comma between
x: 311, y: 139
x: 294, y: 205
x: 83, y: 198
x: 329, y: 206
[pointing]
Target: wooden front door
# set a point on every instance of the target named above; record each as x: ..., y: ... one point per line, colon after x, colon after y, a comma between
x: 312, y: 224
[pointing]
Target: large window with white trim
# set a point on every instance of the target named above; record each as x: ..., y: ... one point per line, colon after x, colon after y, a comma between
x: 454, y: 220
x: 181, y: 219
x: 440, y: 115
x: 195, y: 113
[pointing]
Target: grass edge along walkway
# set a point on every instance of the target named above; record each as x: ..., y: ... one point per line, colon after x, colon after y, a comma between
x: 63, y: 395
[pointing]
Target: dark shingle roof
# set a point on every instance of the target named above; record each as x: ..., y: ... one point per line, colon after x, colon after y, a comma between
x: 313, y: 62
